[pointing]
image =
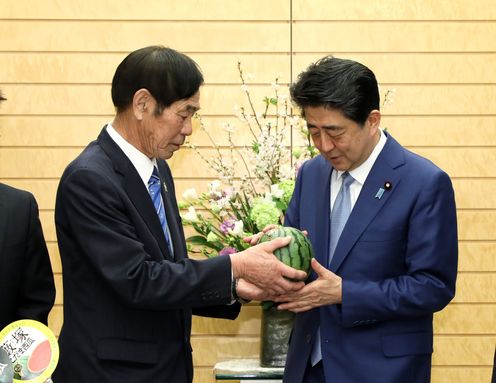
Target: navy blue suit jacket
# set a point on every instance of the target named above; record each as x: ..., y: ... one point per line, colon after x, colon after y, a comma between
x: 127, y: 303
x: 397, y: 256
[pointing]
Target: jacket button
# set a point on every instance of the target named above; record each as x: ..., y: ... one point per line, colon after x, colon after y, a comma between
x: 308, y: 338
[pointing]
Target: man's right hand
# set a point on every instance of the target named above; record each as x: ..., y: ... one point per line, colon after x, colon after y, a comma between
x: 259, y: 266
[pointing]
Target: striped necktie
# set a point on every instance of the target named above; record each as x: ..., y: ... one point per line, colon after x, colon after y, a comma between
x: 154, y: 189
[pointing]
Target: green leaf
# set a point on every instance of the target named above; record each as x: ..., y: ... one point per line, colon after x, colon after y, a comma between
x: 255, y: 146
x: 217, y: 245
x: 197, y: 240
x: 280, y: 205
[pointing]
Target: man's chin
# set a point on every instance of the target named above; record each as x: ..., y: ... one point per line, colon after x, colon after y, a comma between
x: 169, y: 152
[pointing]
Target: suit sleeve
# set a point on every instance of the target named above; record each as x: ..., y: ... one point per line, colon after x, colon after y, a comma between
x: 37, y: 292
x: 428, y: 283
x: 96, y: 222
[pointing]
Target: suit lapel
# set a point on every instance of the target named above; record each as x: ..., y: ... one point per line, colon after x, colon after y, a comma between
x: 322, y: 212
x: 170, y: 208
x: 135, y: 189
x: 368, y: 205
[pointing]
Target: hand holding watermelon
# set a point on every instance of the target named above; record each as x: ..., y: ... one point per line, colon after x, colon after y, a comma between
x: 325, y: 290
x: 297, y: 253
x: 258, y: 266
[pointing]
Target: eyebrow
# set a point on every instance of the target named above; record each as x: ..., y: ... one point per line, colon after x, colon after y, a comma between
x: 191, y: 108
x: 326, y: 127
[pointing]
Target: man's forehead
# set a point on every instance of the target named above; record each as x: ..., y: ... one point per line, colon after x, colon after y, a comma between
x: 191, y: 104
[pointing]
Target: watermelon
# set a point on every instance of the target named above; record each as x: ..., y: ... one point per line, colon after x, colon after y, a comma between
x: 298, y: 253
x: 40, y: 358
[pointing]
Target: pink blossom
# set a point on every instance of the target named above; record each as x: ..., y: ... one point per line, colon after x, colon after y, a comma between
x: 228, y: 250
x: 226, y: 225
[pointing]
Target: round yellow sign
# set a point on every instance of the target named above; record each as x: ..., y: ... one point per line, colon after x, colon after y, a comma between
x: 30, y: 350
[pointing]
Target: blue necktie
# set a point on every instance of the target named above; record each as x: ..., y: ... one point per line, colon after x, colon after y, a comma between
x: 339, y: 215
x: 155, y: 194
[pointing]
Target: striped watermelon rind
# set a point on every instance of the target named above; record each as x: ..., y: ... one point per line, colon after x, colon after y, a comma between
x: 298, y: 253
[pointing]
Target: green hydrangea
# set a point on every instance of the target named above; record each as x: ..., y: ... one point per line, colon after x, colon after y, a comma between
x: 288, y: 188
x: 264, y: 212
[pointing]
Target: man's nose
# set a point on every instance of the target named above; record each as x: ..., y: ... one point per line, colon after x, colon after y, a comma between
x: 327, y: 143
x: 187, y: 129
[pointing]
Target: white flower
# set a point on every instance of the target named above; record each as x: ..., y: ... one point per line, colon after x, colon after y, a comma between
x: 238, y: 228
x: 244, y: 88
x: 276, y: 191
x: 214, y: 186
x: 189, y: 195
x: 275, y: 86
x: 191, y: 215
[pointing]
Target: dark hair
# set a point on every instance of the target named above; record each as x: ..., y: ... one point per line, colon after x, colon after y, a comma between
x: 340, y: 84
x: 167, y: 74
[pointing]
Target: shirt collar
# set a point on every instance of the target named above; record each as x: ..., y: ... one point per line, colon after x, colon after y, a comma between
x: 361, y: 172
x: 143, y: 164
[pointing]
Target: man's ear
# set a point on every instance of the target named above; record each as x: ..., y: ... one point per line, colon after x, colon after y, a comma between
x: 140, y: 100
x: 374, y: 121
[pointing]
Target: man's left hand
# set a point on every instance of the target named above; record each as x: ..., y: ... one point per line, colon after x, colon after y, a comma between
x: 325, y: 290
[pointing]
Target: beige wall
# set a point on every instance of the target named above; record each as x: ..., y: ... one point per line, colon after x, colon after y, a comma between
x: 57, y: 60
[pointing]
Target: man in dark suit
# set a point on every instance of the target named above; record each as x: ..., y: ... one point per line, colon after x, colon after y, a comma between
x: 386, y: 252
x: 129, y: 287
x: 27, y: 290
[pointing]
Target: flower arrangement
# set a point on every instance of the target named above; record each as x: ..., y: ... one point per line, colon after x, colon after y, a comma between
x: 244, y: 199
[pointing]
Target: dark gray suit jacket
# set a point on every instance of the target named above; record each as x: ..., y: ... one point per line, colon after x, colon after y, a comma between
x: 127, y: 303
x: 27, y: 290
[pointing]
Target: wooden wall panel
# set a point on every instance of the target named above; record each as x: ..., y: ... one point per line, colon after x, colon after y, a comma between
x: 461, y: 374
x: 57, y: 63
x: 44, y: 190
x: 463, y: 350
x: 392, y: 36
x: 154, y: 10
x: 476, y: 225
x: 417, y: 68
x: 59, y: 296
x: 441, y: 130
x: 53, y: 250
x: 78, y: 131
x: 449, y: 350
x: 248, y: 323
x: 99, y: 67
x: 459, y: 319
x: 477, y: 256
x: 50, y: 131
x: 56, y: 319
x: 470, y: 193
x: 83, y: 99
x: 94, y: 99
x: 336, y: 10
x: 119, y: 36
